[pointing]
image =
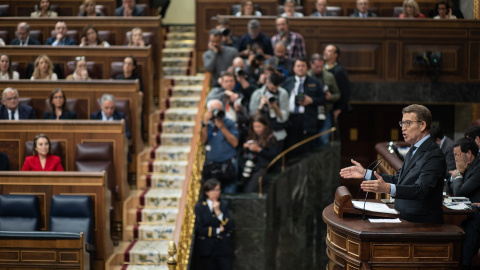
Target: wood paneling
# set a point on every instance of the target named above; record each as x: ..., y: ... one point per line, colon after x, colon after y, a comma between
x: 382, y: 49
x: 46, y: 184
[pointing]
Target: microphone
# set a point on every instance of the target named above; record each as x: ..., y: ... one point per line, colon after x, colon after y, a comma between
x: 366, y: 170
x: 366, y: 195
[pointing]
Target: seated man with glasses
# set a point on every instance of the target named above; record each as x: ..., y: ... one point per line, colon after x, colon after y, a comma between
x: 362, y: 10
x: 418, y: 186
x: 11, y: 109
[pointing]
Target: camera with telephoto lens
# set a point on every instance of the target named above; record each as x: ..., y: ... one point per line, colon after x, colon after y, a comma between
x: 259, y: 57
x: 225, y: 31
x: 216, y: 113
x: 299, y: 98
x: 249, y: 164
x: 270, y: 96
x: 239, y: 71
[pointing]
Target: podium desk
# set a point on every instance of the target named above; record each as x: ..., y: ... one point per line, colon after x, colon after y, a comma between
x: 353, y: 243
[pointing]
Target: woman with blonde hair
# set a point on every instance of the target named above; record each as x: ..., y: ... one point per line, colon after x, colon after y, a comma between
x: 410, y: 10
x: 43, y: 69
x: 88, y: 9
x: 136, y: 38
x: 247, y: 8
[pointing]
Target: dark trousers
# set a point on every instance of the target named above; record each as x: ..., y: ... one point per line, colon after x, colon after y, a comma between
x: 472, y: 238
x: 295, y: 134
x: 215, y: 262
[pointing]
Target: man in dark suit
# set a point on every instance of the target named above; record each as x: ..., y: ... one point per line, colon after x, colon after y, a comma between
x: 108, y: 113
x: 23, y: 36
x: 321, y: 7
x: 362, y: 10
x: 305, y: 95
x: 129, y: 9
x: 446, y: 145
x: 417, y: 187
x: 4, y: 162
x: 60, y: 38
x: 12, y: 109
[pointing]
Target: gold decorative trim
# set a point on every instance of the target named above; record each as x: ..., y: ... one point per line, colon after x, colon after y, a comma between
x: 475, y: 9
x: 359, y: 248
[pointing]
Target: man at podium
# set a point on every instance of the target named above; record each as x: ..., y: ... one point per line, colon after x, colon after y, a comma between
x: 417, y: 187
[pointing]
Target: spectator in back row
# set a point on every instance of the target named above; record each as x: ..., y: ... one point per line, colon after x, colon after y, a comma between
x: 60, y: 38
x: 81, y: 72
x: 129, y: 9
x: 136, y: 38
x: 255, y: 35
x: 446, y: 145
x: 444, y: 10
x: 108, y: 113
x: 410, y: 9
x: 43, y: 10
x: 43, y: 69
x: 247, y: 8
x: 130, y: 72
x: 58, y: 106
x: 289, y: 6
x: 362, y: 10
x: 6, y: 71
x: 42, y: 158
x: 321, y: 7
x: 89, y: 10
x: 11, y: 109
x: 217, y: 58
x: 294, y: 41
x: 90, y: 38
x: 23, y: 36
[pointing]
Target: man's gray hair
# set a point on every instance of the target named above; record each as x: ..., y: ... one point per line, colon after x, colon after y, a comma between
x: 24, y: 25
x: 253, y: 24
x: 108, y: 97
x: 213, y: 101
x: 215, y: 32
x: 8, y: 89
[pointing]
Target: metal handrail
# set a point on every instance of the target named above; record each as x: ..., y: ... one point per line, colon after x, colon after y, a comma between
x: 286, y: 151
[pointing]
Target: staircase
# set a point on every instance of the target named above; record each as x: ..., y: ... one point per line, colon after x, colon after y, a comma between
x: 152, y: 209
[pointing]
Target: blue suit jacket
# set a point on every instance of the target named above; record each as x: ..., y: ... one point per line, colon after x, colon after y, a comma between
x: 314, y: 89
x: 31, y: 41
x: 24, y: 112
x: 116, y: 116
x: 66, y: 40
x: 420, y: 185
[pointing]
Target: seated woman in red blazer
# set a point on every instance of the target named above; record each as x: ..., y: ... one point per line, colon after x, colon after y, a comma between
x: 42, y: 159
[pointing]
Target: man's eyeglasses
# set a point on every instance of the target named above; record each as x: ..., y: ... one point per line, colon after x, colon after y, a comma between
x: 407, y: 123
x: 12, y: 98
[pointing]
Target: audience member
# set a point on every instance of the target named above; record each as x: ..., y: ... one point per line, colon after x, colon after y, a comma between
x: 81, y: 72
x: 289, y: 7
x: 280, y: 60
x: 306, y: 94
x: 321, y: 9
x: 330, y: 55
x: 90, y: 38
x: 362, y: 10
x: 6, y: 71
x: 213, y: 227
x: 446, y: 145
x: 60, y: 38
x: 11, y: 109
x: 129, y: 9
x: 266, y: 72
x: 220, y: 137
x: 4, y: 162
x: 418, y: 186
x: 23, y: 36
x: 223, y: 24
x: 245, y: 84
x: 272, y: 101
x: 42, y: 158
x: 247, y: 8
x: 332, y: 94
x: 89, y: 9
x: 255, y: 61
x: 294, y: 41
x: 2, y: 42
x: 136, y: 38
x: 43, y: 69
x: 255, y: 35
x: 130, y: 72
x: 43, y: 10
x: 474, y: 133
x: 444, y: 10
x: 410, y: 9
x: 227, y: 95
x: 217, y: 58
x: 108, y: 113
x: 259, y: 149
x: 58, y: 107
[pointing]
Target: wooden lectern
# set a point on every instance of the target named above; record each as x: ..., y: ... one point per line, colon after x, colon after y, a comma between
x: 353, y: 243
x: 343, y: 204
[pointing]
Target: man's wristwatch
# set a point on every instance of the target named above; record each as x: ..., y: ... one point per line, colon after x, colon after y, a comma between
x: 458, y: 174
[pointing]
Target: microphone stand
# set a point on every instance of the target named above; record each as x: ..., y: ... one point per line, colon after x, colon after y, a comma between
x: 366, y: 195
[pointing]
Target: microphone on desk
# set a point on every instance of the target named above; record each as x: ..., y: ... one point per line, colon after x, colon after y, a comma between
x: 366, y: 170
x: 366, y: 195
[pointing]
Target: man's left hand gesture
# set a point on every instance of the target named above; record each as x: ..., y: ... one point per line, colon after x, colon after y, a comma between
x: 377, y: 186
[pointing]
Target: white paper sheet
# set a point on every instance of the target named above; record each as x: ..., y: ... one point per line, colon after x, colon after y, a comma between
x: 457, y: 206
x: 384, y: 220
x: 374, y: 207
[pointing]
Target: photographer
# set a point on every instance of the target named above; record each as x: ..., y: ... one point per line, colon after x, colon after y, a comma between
x: 272, y: 101
x: 255, y: 36
x: 280, y: 60
x: 223, y: 24
x: 259, y: 149
x: 255, y: 62
x: 218, y: 57
x: 220, y: 137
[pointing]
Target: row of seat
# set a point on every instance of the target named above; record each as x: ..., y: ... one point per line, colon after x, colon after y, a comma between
x: 5, y: 10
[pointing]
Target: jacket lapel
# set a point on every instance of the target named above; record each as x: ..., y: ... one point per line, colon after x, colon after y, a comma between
x: 418, y: 154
